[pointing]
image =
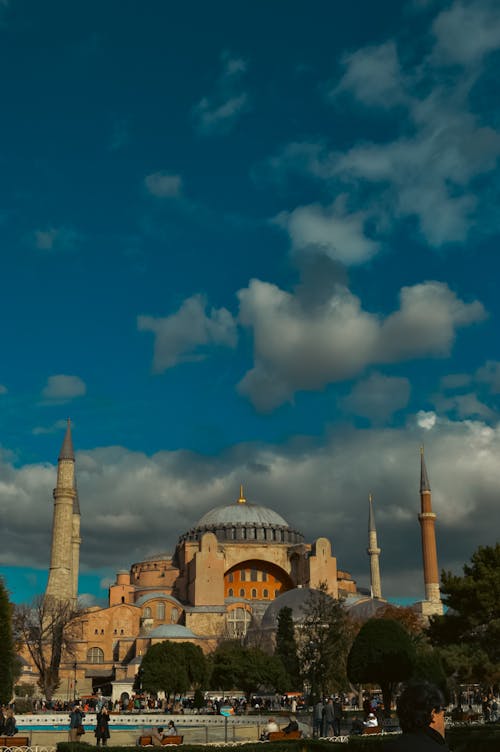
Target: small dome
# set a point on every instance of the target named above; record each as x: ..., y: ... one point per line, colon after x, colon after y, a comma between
x: 171, y: 631
x: 296, y: 599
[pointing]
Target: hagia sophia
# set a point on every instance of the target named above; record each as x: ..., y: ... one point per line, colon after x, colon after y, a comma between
x: 230, y: 573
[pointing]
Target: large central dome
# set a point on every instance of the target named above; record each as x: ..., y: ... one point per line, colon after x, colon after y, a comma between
x: 244, y: 522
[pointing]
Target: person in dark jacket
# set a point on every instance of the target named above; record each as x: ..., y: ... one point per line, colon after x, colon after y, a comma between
x: 102, y: 727
x: 75, y: 722
x: 292, y: 725
x: 420, y: 711
x: 10, y: 724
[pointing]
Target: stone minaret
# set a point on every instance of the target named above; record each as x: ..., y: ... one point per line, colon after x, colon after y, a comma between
x: 373, y: 552
x: 427, y: 519
x: 75, y: 544
x: 61, y: 585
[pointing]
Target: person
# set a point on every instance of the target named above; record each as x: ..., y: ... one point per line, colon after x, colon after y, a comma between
x: 270, y: 727
x: 10, y: 723
x: 357, y: 726
x: 102, y: 726
x: 371, y: 721
x: 2, y: 722
x: 337, y: 715
x: 292, y: 725
x: 420, y: 710
x: 319, y: 711
x: 171, y: 730
x: 329, y: 718
x: 75, y: 722
x: 157, y: 736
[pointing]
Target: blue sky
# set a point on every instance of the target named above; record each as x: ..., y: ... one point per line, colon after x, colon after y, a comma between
x: 249, y: 242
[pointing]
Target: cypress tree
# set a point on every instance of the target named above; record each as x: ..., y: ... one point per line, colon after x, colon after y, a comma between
x: 286, y: 646
x: 7, y: 653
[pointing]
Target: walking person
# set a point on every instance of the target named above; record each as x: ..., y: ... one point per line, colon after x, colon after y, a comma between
x: 319, y: 712
x: 102, y: 727
x: 329, y: 718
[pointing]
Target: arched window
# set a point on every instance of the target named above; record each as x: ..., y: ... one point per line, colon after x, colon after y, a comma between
x: 95, y: 655
x: 160, y: 611
x: 253, y: 575
x: 230, y: 592
x: 265, y: 593
x: 254, y: 593
x: 242, y: 593
x: 230, y: 577
x: 243, y: 575
x: 147, y: 613
x: 264, y: 576
x: 237, y: 622
x: 174, y: 615
x: 276, y: 593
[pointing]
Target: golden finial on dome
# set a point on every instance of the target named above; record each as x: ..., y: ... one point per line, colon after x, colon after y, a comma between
x: 242, y: 499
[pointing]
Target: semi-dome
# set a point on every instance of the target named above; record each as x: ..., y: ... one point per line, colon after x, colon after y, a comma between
x: 297, y: 600
x: 244, y: 522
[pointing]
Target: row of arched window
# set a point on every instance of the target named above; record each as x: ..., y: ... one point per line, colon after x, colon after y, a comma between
x: 160, y: 613
x: 253, y: 593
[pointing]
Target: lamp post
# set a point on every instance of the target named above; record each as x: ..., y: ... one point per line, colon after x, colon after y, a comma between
x: 74, y: 681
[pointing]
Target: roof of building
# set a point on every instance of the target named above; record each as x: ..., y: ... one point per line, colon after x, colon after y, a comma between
x: 296, y: 599
x: 243, y: 522
x: 156, y: 594
x: 171, y: 631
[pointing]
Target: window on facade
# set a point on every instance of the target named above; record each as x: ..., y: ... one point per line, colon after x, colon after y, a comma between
x: 243, y: 575
x: 237, y: 622
x: 242, y: 593
x: 253, y: 575
x: 230, y: 592
x: 276, y: 593
x: 160, y: 611
x: 264, y: 576
x: 254, y: 593
x: 174, y: 615
x: 230, y: 577
x: 147, y: 613
x: 265, y: 593
x: 95, y: 655
x: 96, y: 631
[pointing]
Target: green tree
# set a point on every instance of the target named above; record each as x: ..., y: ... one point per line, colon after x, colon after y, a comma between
x: 7, y: 652
x: 172, y: 668
x: 469, y: 631
x: 382, y: 653
x: 326, y: 634
x: 286, y: 647
x: 248, y: 669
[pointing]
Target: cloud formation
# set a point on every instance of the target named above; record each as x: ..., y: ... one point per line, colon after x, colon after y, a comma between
x: 182, y: 336
x: 179, y: 487
x: 299, y: 349
x: 220, y: 111
x: 378, y: 397
x: 163, y: 184
x: 62, y: 388
x: 56, y: 239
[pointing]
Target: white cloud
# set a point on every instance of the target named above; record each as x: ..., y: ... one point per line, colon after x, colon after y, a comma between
x: 164, y: 184
x: 461, y: 456
x: 181, y: 336
x: 378, y: 396
x: 62, y: 388
x: 329, y: 230
x: 490, y: 374
x: 426, y: 419
x: 373, y: 75
x: 304, y: 349
x: 56, y: 239
x: 220, y: 111
x: 54, y: 428
x: 463, y: 406
x: 467, y: 31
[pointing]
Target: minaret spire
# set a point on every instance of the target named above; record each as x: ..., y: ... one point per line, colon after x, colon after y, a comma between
x: 373, y: 552
x: 64, y: 553
x: 427, y: 519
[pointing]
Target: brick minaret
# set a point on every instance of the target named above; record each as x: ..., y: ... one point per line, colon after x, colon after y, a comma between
x: 373, y: 552
x: 61, y: 585
x: 427, y: 519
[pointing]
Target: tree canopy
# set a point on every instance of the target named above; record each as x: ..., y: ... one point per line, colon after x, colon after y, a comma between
x: 248, y: 669
x: 326, y: 634
x: 382, y: 653
x: 173, y: 668
x: 49, y: 629
x: 468, y: 634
